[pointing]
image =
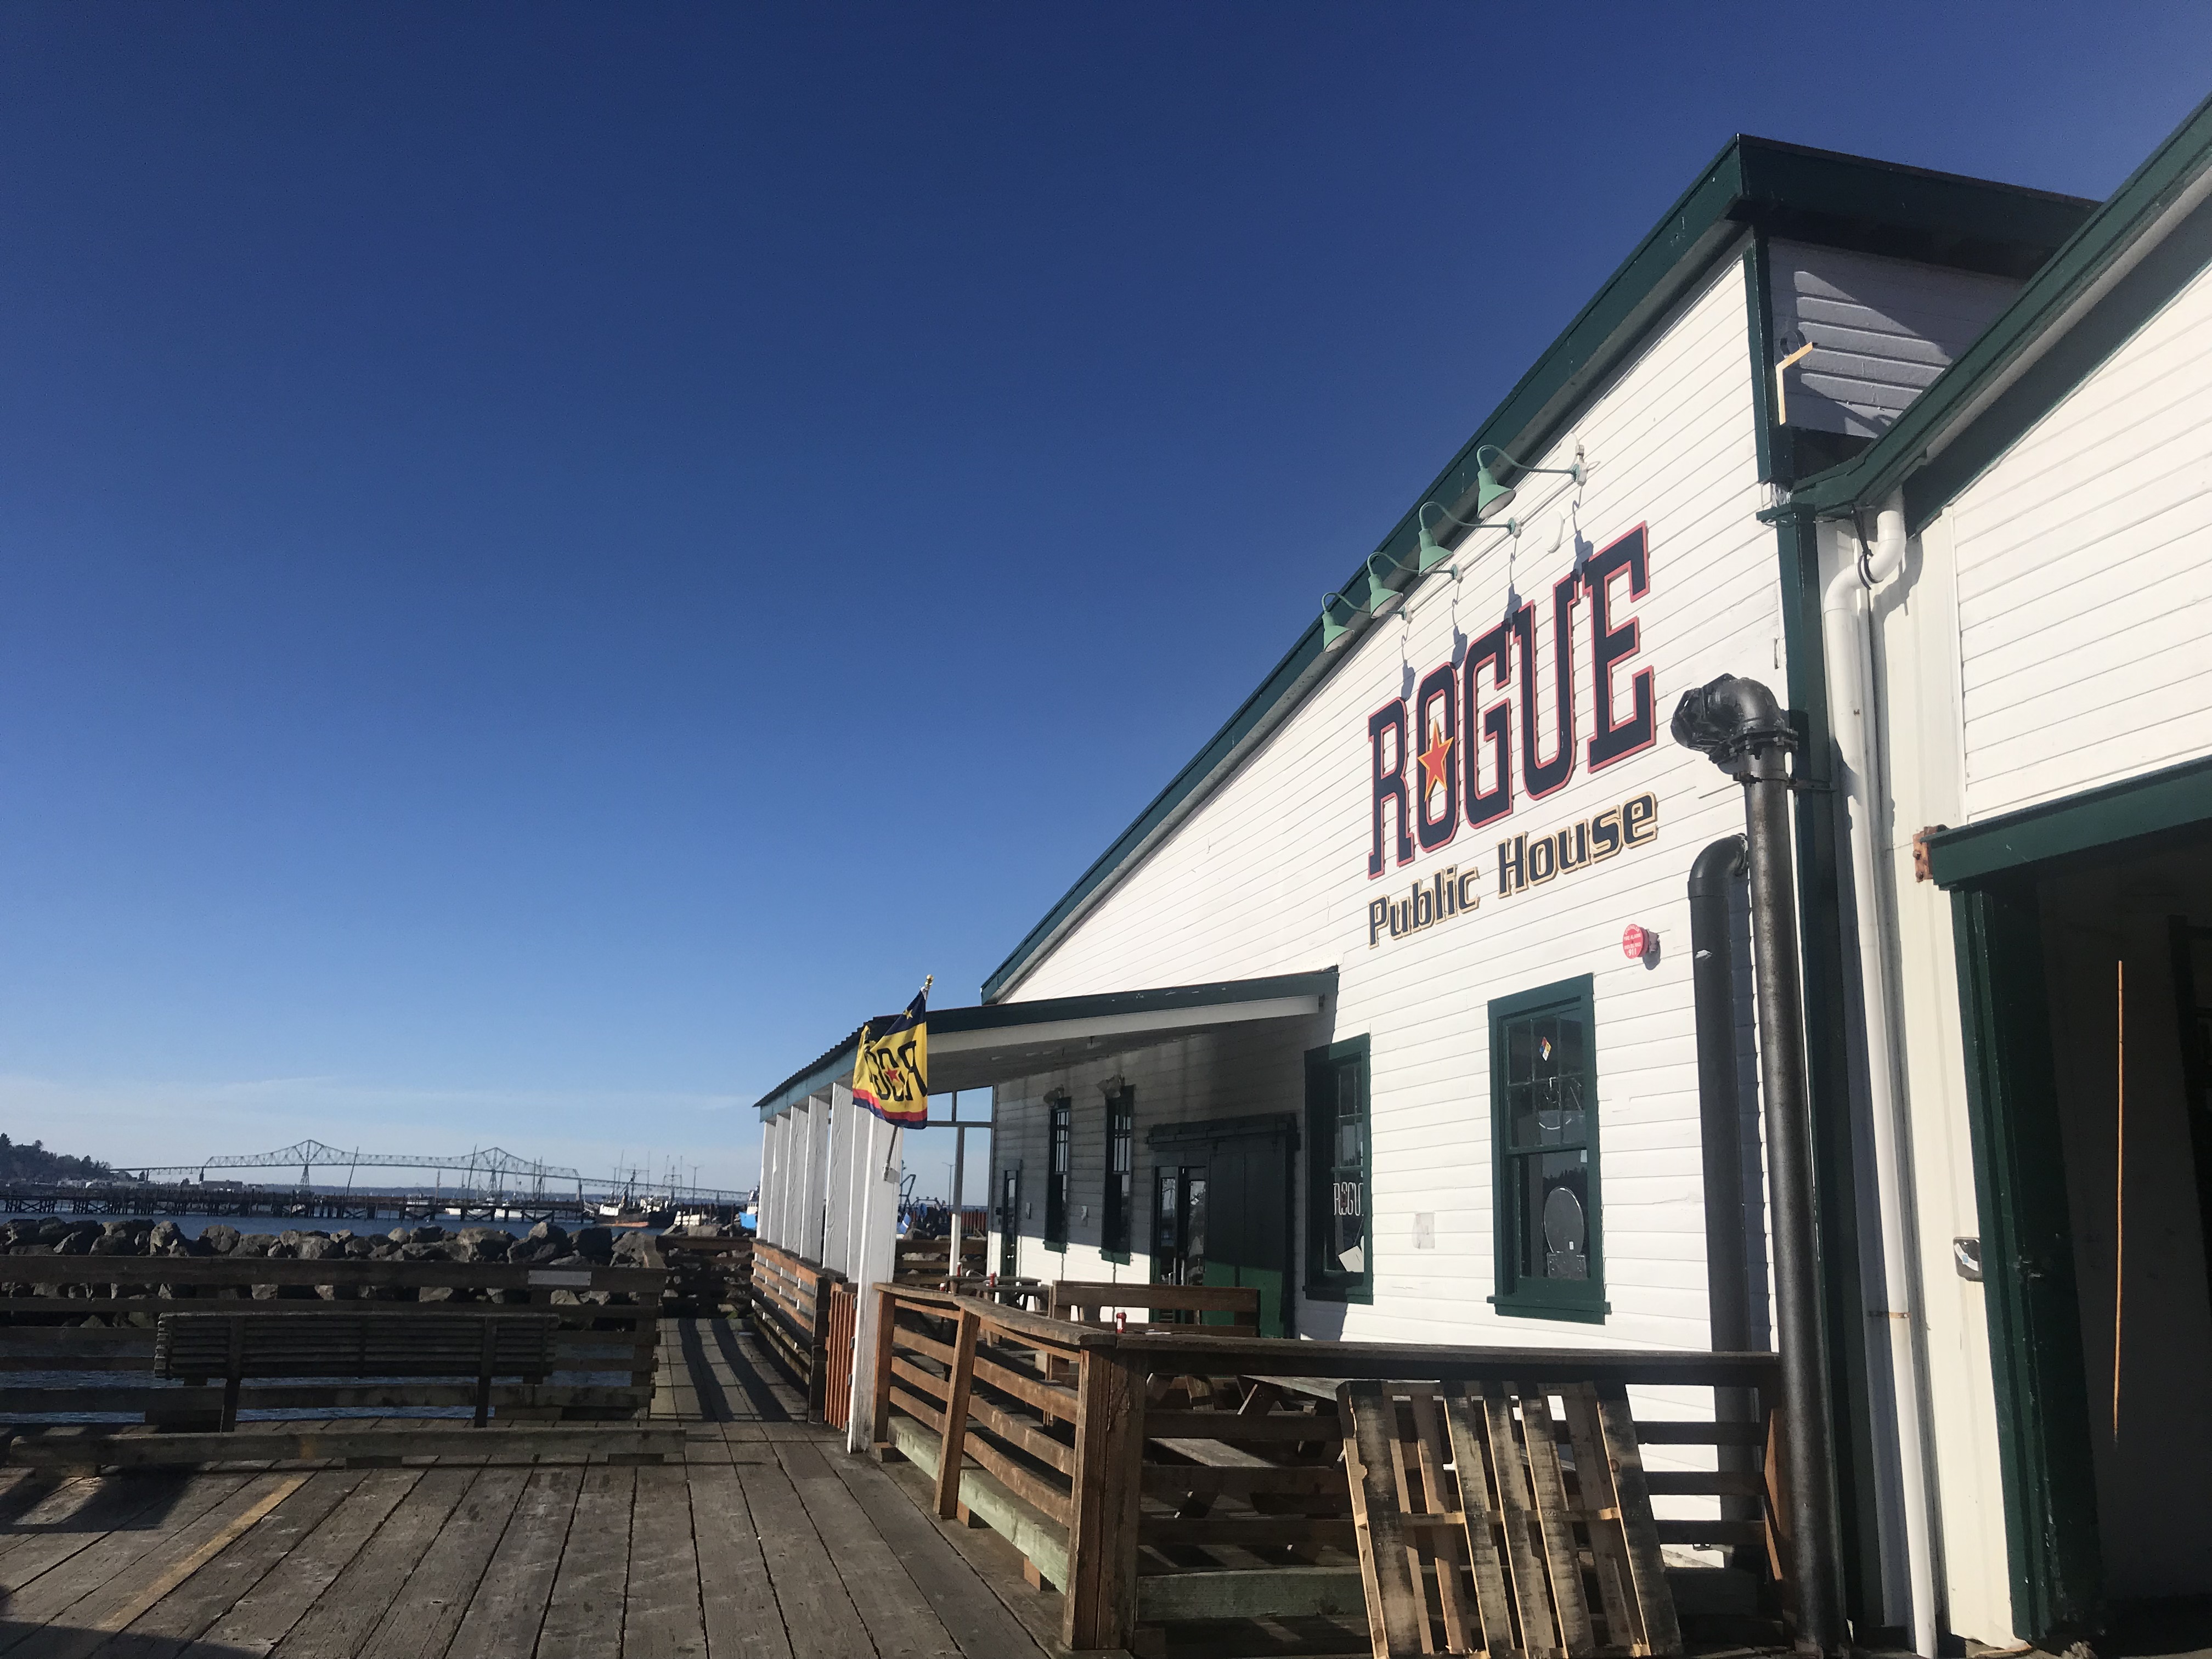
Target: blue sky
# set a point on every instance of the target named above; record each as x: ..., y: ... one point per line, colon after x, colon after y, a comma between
x: 552, y: 558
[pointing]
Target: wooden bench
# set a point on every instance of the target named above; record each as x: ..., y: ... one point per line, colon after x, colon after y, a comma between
x: 88, y: 1323
x: 1188, y: 1304
x: 196, y: 1347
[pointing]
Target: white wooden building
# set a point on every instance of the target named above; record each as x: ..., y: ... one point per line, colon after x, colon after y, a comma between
x: 2040, y: 722
x: 1387, y: 1004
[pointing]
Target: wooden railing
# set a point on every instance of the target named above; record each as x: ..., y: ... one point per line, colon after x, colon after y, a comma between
x: 1163, y: 1475
x: 839, y: 1335
x: 707, y: 1273
x: 610, y: 1322
x: 791, y: 1306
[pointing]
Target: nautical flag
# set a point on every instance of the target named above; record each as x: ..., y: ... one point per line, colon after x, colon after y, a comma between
x: 890, y: 1077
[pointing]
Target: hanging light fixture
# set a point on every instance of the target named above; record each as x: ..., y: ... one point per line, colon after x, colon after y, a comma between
x: 1432, y: 552
x: 1491, y: 497
x: 1333, y: 632
x: 1382, y: 598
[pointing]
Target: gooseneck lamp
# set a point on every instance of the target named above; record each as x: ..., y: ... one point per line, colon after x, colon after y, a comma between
x: 1382, y: 598
x: 1491, y: 497
x: 1333, y: 632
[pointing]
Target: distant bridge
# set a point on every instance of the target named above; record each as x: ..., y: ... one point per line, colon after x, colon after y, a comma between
x: 487, y: 1171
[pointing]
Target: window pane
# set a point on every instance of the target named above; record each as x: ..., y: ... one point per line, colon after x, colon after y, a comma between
x: 1193, y: 1247
x: 1553, y: 1222
x: 1347, y: 1238
x: 1549, y: 1109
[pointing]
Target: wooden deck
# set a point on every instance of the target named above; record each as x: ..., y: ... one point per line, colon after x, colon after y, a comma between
x: 767, y: 1541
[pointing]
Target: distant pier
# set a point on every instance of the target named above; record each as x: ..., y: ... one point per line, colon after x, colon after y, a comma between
x: 149, y: 1198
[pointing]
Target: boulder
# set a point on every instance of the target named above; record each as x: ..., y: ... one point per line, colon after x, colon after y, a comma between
x: 74, y: 1244
x: 253, y: 1245
x: 111, y: 1244
x: 219, y: 1238
x: 315, y: 1248
x: 361, y: 1249
x: 548, y: 1232
x: 595, y: 1243
x: 165, y: 1236
x: 635, y: 1249
x: 401, y: 1236
x: 427, y: 1234
x: 425, y: 1251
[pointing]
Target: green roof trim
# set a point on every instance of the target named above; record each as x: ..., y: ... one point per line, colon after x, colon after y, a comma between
x: 2178, y: 797
x: 1754, y: 183
x: 1899, y: 457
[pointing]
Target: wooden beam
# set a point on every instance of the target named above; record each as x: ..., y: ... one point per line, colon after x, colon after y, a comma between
x: 954, y: 1440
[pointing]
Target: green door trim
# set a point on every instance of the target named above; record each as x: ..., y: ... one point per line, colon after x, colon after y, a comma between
x: 2027, y: 1265
x: 2171, y: 799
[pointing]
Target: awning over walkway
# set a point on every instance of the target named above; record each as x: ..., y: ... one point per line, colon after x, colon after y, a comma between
x: 996, y: 1043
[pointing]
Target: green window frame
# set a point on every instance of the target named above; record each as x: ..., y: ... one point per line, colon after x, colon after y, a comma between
x: 1060, y: 1120
x: 1544, y: 1166
x: 1119, y: 1196
x: 1340, y: 1171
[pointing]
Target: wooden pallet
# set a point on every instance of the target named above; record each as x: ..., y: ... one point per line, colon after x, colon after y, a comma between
x: 1538, y: 1558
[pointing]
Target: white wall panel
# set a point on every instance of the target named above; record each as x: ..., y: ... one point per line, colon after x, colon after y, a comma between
x: 1269, y: 876
x: 2084, y: 578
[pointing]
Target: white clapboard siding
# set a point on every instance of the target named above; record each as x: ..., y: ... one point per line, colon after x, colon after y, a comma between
x: 1268, y: 876
x: 1880, y: 331
x: 2084, y: 572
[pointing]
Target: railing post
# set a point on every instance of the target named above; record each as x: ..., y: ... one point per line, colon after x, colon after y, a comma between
x: 1100, y: 1610
x: 818, y: 1344
x: 953, y: 1449
x: 887, y: 1326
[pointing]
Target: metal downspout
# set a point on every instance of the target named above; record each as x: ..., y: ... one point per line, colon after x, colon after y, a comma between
x: 1715, y: 876
x: 1846, y: 624
x: 1738, y: 724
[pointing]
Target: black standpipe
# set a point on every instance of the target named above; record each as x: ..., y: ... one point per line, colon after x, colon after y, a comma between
x: 1737, y: 724
x: 1717, y: 876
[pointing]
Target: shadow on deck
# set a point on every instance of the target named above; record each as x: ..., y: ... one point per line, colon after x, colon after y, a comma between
x: 768, y: 1540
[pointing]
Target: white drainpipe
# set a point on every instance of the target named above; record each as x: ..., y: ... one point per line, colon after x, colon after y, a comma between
x: 1846, y: 624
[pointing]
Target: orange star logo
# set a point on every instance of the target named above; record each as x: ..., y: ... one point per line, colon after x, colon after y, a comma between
x: 1435, y: 758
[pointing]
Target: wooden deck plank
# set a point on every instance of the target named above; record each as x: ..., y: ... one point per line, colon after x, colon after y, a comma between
x: 744, y: 1620
x: 972, y: 1615
x: 184, y: 1613
x: 281, y: 1598
x: 87, y: 1623
x: 819, y: 1615
x: 508, y: 1607
x: 898, y: 1614
x: 59, y: 1587
x: 584, y: 1619
x: 423, y: 1617
x: 76, y: 1514
x: 662, y: 1618
x: 343, y: 1616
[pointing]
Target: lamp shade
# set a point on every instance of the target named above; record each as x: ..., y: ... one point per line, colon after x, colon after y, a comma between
x: 1491, y: 497
x: 1381, y: 599
x: 1432, y: 553
x: 1333, y: 632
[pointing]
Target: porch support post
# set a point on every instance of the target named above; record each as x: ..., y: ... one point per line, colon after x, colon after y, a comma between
x: 1100, y: 1608
x: 877, y: 1221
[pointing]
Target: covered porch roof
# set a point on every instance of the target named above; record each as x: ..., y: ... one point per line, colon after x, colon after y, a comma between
x: 995, y: 1043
